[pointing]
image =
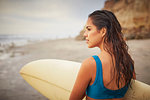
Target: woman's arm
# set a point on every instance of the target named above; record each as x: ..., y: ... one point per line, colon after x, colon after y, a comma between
x: 83, y: 78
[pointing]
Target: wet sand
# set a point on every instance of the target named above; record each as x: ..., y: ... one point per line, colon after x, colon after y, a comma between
x: 13, y: 87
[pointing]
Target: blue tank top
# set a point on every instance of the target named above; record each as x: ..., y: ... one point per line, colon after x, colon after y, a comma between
x: 98, y: 91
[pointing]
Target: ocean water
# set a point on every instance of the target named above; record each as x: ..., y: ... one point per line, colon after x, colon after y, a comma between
x: 22, y: 39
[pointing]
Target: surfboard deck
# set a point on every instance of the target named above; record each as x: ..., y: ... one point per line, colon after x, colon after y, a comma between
x: 55, y: 79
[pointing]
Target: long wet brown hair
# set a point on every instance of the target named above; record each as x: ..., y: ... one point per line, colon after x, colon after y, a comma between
x: 115, y: 45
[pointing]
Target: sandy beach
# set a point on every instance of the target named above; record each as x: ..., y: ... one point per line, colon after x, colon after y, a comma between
x: 12, y: 85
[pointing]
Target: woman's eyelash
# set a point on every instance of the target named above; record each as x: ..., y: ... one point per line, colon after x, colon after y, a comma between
x: 88, y: 29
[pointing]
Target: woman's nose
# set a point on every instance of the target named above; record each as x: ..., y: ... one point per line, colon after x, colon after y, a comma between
x: 85, y: 34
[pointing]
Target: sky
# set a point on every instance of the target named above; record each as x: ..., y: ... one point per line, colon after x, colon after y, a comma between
x: 57, y: 17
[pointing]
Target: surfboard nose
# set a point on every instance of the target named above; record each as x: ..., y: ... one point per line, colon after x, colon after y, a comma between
x: 52, y: 78
x: 27, y: 69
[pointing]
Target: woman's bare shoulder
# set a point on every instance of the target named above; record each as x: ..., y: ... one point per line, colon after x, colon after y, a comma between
x: 89, y: 62
x: 87, y: 66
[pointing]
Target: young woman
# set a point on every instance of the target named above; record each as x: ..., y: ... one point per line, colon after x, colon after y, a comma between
x: 108, y: 74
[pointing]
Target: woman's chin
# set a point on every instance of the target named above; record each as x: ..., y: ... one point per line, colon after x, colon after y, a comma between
x: 89, y: 46
x: 92, y: 46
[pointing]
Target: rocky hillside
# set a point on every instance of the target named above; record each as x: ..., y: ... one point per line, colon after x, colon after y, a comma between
x: 133, y: 15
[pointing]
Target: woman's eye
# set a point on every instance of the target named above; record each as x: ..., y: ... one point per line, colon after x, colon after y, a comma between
x: 88, y: 29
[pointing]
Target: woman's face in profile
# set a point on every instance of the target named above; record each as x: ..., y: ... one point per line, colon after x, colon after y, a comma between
x: 92, y: 35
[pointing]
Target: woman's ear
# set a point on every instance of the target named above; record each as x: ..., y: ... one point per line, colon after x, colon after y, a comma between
x: 103, y: 31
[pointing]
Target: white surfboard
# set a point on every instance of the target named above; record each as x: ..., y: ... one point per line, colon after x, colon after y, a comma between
x: 55, y: 79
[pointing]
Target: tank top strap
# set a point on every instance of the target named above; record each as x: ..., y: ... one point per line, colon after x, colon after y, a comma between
x: 99, y: 71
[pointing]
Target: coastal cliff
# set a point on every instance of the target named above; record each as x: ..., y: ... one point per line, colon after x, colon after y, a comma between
x: 133, y: 15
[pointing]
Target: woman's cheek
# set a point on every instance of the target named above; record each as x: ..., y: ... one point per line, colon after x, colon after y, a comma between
x: 91, y: 34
